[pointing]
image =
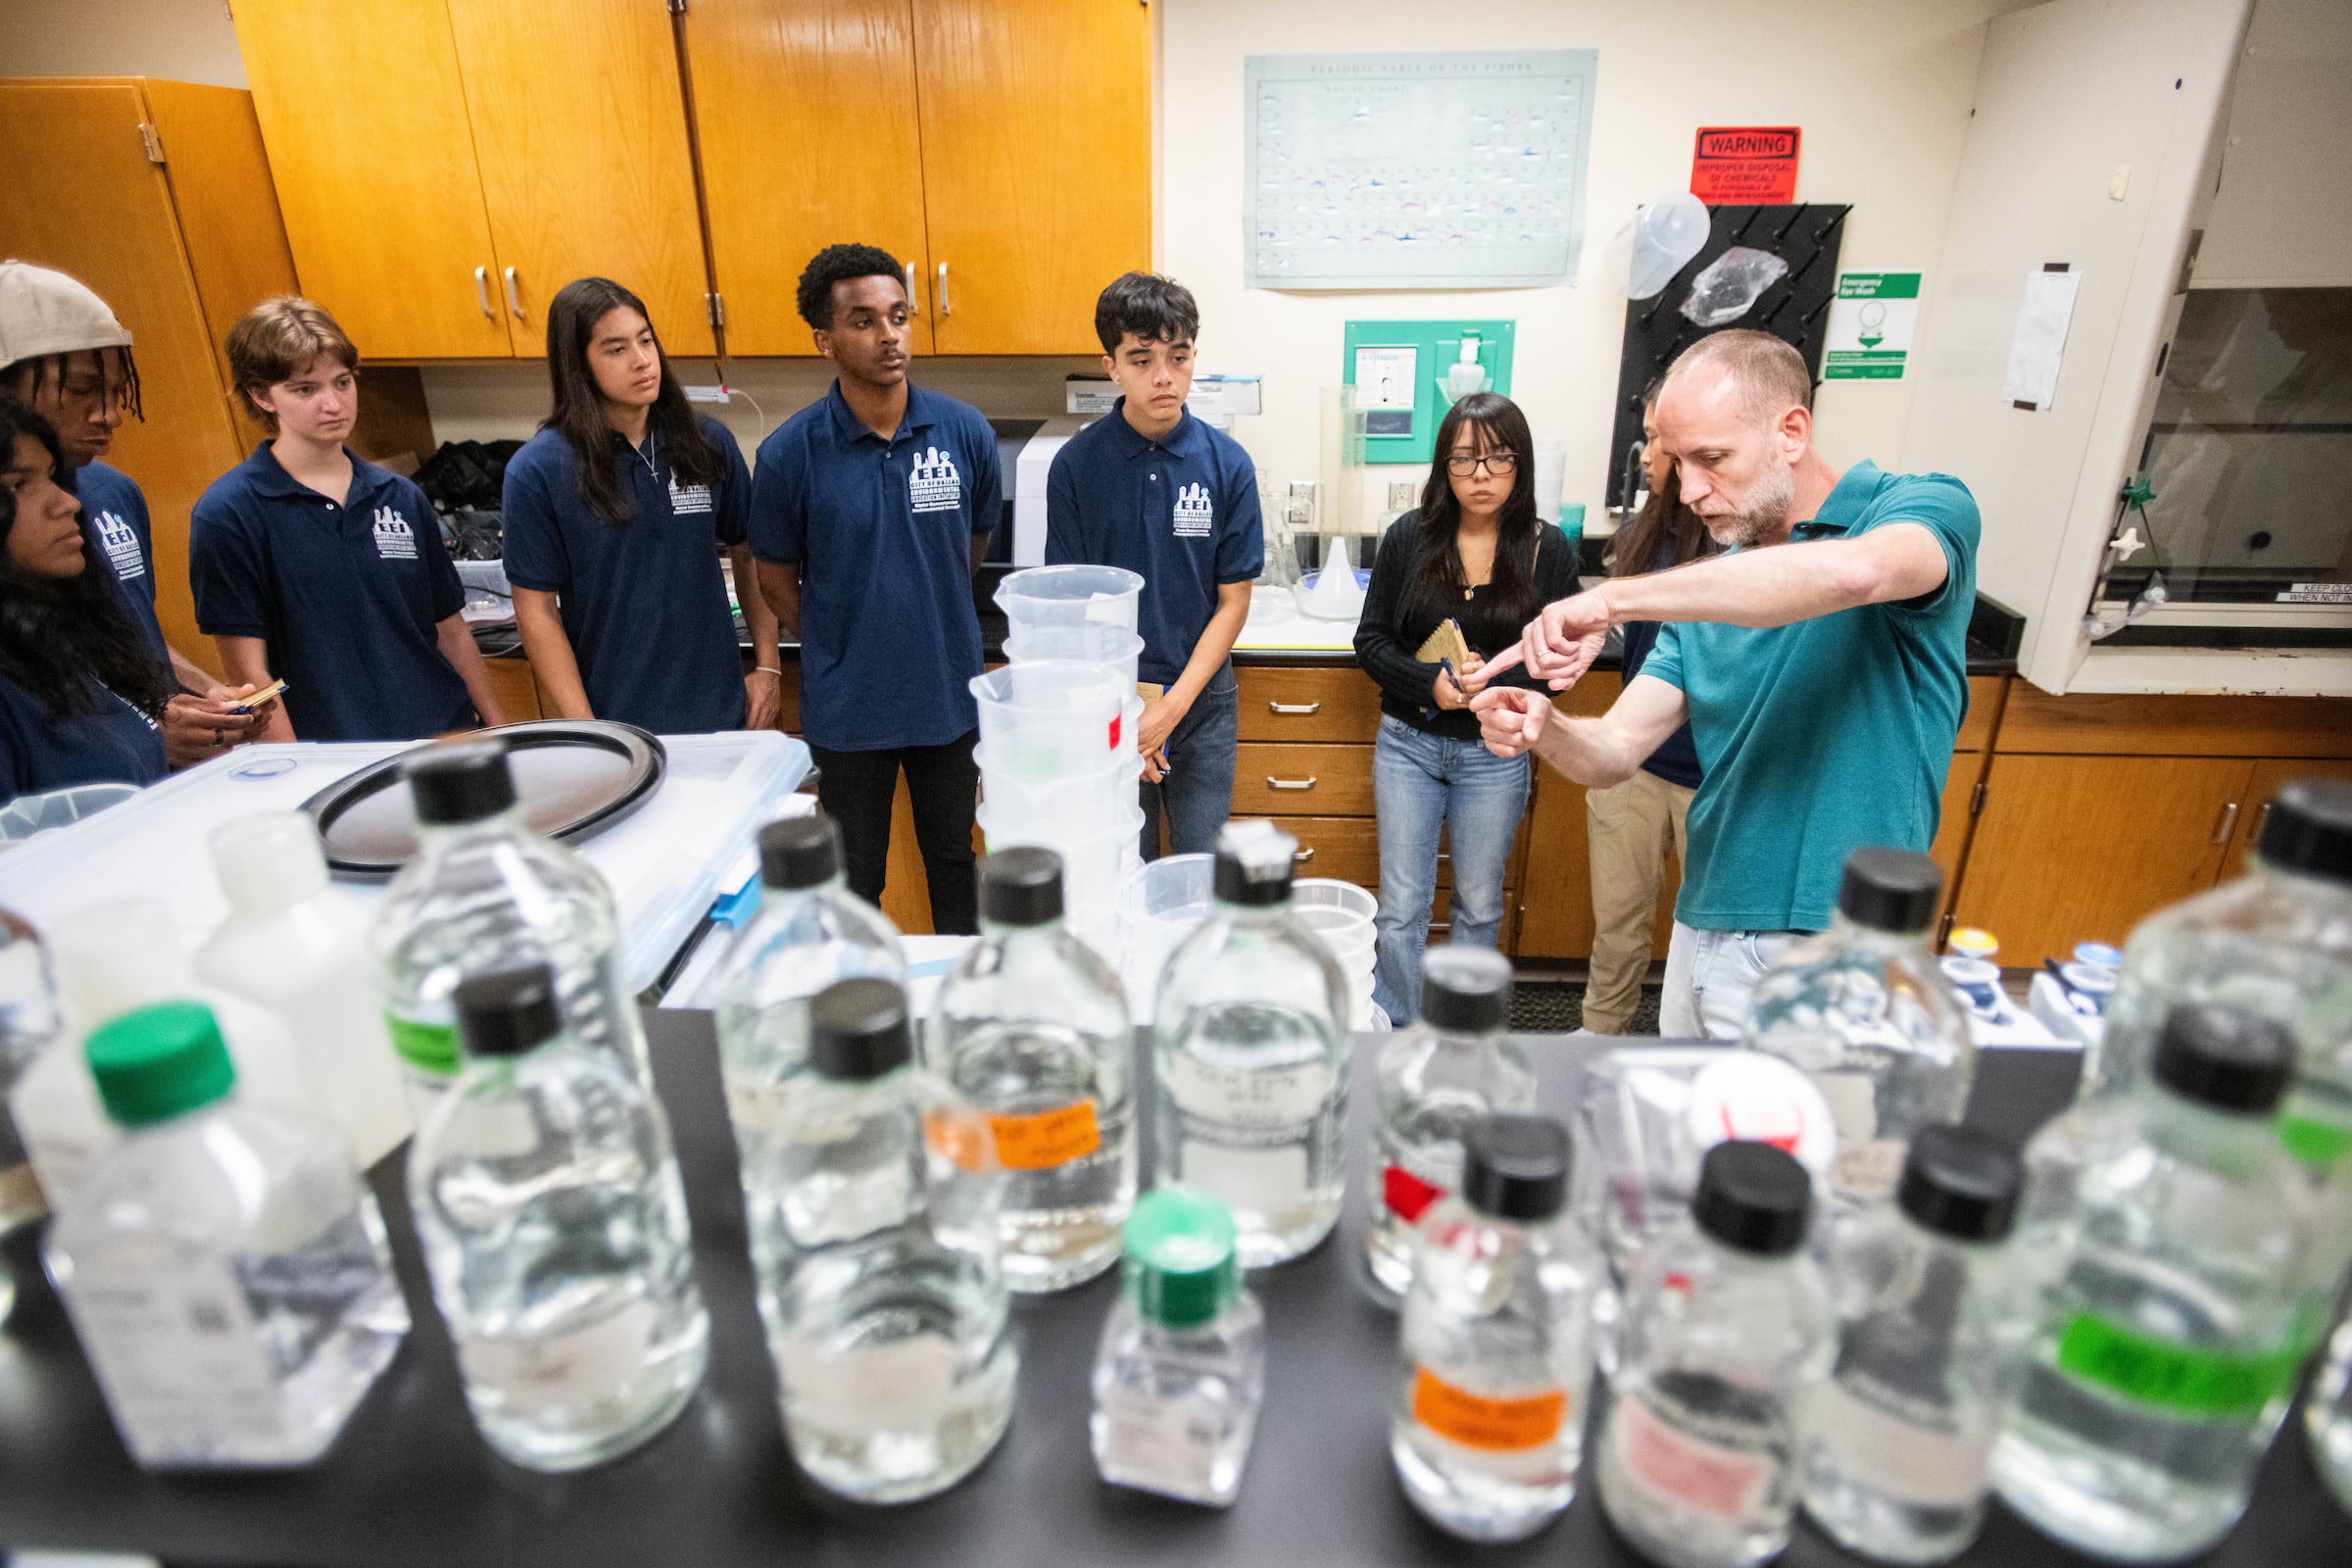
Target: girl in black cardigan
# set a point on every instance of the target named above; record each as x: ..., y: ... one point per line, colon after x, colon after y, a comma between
x: 1477, y: 553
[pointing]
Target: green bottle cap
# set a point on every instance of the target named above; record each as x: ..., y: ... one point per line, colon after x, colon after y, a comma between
x: 154, y: 1063
x: 1180, y: 1268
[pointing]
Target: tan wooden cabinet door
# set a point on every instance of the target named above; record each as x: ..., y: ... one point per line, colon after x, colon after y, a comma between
x: 364, y: 111
x: 579, y: 127
x: 2269, y: 775
x: 805, y: 114
x: 1036, y: 166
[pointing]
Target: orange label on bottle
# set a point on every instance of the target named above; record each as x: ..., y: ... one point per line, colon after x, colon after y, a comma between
x: 958, y: 1137
x: 1477, y: 1422
x: 1047, y: 1139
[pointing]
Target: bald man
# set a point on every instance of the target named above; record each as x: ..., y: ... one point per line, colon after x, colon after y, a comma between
x: 1819, y: 661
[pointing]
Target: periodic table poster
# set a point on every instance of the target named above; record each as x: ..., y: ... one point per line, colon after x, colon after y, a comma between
x: 1417, y: 170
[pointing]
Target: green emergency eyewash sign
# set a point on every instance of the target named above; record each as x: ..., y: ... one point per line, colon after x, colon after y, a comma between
x: 1871, y: 323
x: 1407, y: 373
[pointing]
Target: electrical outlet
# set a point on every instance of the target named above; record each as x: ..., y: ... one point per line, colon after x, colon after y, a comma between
x: 1402, y: 494
x: 706, y: 394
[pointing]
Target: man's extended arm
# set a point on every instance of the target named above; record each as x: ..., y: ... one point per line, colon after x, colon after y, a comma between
x: 1593, y: 752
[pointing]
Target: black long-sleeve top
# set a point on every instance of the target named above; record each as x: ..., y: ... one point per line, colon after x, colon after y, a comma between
x: 1391, y: 631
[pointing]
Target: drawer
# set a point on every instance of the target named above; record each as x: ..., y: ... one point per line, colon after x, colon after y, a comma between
x: 1344, y: 848
x: 1324, y: 780
x: 511, y: 684
x: 1330, y: 702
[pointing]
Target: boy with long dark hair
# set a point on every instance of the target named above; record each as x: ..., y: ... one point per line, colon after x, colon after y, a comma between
x: 1149, y: 488
x: 615, y: 513
x: 1474, y: 553
x: 870, y: 511
x: 80, y: 692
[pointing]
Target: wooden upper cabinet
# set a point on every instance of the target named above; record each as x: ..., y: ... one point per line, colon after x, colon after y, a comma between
x: 1036, y: 166
x: 805, y: 116
x: 579, y: 128
x: 362, y: 109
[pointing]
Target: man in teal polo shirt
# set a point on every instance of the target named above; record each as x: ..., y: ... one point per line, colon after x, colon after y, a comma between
x: 1824, y: 684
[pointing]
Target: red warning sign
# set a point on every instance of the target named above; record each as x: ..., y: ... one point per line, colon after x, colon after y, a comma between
x: 1741, y: 164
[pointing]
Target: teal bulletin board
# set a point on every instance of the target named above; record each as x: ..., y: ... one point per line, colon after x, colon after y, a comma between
x: 1404, y: 366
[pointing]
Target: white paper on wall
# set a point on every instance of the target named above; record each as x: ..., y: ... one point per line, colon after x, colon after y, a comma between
x: 2040, y: 343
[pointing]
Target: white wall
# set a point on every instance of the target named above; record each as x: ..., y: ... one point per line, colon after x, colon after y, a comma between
x: 181, y: 40
x: 1881, y: 87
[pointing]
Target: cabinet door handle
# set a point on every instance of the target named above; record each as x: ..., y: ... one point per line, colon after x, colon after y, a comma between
x: 2229, y: 821
x: 1290, y: 783
x: 482, y: 291
x: 514, y: 298
x: 943, y: 288
x: 1301, y: 857
x: 913, y: 301
x: 1294, y: 710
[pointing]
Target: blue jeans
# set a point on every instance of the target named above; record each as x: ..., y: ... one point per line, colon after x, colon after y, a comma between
x: 1425, y: 782
x: 1196, y: 796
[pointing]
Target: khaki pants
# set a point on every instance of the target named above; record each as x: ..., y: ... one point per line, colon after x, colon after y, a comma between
x: 1629, y: 827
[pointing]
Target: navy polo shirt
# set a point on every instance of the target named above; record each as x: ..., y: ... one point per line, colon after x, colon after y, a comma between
x: 644, y: 602
x: 1181, y: 510
x: 115, y: 524
x: 110, y: 743
x: 346, y: 595
x: 882, y: 533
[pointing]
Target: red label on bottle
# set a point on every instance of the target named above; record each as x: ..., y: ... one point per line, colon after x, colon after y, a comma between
x: 1116, y: 719
x: 1407, y: 1194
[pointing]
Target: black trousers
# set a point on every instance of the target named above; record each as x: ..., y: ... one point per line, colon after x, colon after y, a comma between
x: 943, y: 783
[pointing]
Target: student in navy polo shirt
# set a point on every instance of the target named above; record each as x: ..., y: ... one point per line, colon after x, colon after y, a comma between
x: 614, y: 512
x: 65, y: 355
x: 870, y: 511
x: 79, y: 692
x: 1150, y: 488
x: 313, y: 566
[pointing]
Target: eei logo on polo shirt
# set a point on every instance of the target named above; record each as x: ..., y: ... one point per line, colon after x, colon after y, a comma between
x: 395, y: 540
x: 933, y: 485
x: 687, y: 498
x: 120, y: 542
x: 1196, y: 514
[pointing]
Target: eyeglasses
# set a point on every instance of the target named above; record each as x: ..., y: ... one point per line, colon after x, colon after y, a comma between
x: 1494, y: 463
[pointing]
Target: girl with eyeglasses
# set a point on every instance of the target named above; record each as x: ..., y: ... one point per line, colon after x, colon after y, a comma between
x: 1474, y: 553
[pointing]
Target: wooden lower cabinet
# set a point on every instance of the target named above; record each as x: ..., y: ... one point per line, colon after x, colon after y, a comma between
x: 511, y: 683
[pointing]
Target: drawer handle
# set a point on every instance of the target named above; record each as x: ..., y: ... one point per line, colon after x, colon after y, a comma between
x: 1295, y: 709
x: 1291, y: 783
x: 2229, y: 821
x: 1301, y: 857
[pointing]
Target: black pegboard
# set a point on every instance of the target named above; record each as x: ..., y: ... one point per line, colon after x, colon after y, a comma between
x: 1796, y: 307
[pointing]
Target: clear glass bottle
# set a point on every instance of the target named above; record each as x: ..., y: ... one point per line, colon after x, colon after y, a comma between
x: 554, y: 1223
x: 1249, y: 1044
x: 808, y: 932
x: 1032, y: 1029
x: 1497, y: 1339
x: 484, y: 892
x: 1434, y: 1080
x: 1866, y: 1013
x: 297, y: 946
x: 1182, y: 1366
x: 29, y: 1023
x: 224, y: 1265
x: 2328, y: 1417
x: 1901, y: 1435
x: 1726, y: 1333
x: 877, y: 1263
x: 2165, y: 1231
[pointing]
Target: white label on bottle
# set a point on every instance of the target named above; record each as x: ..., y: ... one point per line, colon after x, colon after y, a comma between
x: 1868, y: 1170
x: 172, y: 1343
x: 1261, y: 1181
x: 877, y: 1387
x: 1927, y: 1466
x: 539, y: 1372
x: 1706, y: 1476
x: 1245, y: 1097
x: 1166, y: 1445
x: 758, y: 1109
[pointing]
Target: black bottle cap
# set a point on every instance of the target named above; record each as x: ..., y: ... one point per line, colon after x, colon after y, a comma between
x: 1961, y: 1182
x: 2225, y: 1057
x: 800, y: 851
x: 1753, y: 1197
x: 1515, y: 1168
x: 1237, y: 882
x: 1021, y: 886
x: 505, y: 1012
x: 451, y: 785
x: 1889, y: 890
x: 857, y: 1030
x: 1465, y: 990
x: 2310, y: 829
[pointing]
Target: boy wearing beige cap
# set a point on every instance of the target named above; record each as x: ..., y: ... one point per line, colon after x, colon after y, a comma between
x: 64, y: 354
